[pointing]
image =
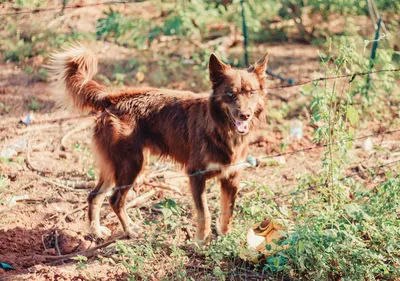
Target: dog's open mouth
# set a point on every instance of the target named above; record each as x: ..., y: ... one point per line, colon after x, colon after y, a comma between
x: 242, y: 127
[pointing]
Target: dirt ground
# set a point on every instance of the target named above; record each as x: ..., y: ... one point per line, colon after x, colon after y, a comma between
x: 55, y: 147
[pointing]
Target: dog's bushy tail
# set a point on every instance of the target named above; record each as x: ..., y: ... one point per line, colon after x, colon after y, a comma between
x: 73, y: 70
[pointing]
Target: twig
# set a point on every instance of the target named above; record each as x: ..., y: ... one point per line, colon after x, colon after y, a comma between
x: 81, y: 184
x: 44, y: 124
x: 141, y: 199
x: 61, y: 19
x: 34, y: 11
x: 156, y: 174
x: 64, y: 217
x: 28, y: 161
x: 86, y: 253
x: 35, y: 128
x: 60, y: 185
x: 56, y: 242
x: 74, y: 131
x: 162, y: 185
x: 278, y: 97
x: 44, y: 245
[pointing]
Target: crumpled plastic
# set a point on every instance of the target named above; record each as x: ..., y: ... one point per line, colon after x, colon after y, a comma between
x: 263, y: 237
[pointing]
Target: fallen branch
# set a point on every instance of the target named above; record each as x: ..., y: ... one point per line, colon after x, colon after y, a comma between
x: 56, y: 242
x: 162, y: 185
x: 35, y: 128
x: 141, y: 199
x: 60, y: 185
x: 14, y: 199
x: 78, y: 184
x: 64, y: 217
x: 82, y: 127
x: 28, y: 161
x: 86, y: 253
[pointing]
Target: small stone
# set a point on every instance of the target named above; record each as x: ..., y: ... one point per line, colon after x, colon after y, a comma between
x: 63, y: 155
x: 296, y: 130
x: 367, y: 144
x: 280, y: 160
x: 27, y: 119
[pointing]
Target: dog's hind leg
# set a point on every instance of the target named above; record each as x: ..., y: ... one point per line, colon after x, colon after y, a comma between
x: 126, y: 173
x: 95, y: 200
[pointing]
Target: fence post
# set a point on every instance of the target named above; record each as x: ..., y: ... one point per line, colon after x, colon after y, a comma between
x: 245, y: 42
x: 373, y: 52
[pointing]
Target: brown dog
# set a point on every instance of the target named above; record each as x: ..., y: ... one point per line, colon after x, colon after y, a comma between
x: 199, y: 131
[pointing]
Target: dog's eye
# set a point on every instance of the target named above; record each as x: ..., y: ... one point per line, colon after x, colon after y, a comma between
x: 230, y: 94
x: 253, y: 93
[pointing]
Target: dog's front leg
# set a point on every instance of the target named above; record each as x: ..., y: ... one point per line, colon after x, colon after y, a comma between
x: 198, y: 189
x: 229, y: 189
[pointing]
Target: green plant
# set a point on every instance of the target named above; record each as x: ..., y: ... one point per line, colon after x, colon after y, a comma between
x: 4, y: 184
x: 91, y: 173
x: 357, y: 240
x: 5, y: 107
x: 34, y: 104
x: 81, y: 261
x: 114, y: 24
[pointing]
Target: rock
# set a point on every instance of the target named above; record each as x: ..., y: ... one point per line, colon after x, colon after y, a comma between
x: 367, y: 144
x: 70, y: 242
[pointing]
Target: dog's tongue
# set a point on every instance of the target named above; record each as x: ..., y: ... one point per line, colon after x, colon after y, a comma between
x: 242, y: 126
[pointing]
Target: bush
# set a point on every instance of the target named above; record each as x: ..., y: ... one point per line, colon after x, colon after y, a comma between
x: 357, y: 240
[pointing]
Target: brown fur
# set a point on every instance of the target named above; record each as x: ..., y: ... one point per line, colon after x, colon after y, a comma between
x: 195, y: 130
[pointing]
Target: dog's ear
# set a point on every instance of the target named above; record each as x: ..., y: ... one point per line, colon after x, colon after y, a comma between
x: 217, y: 70
x: 260, y: 66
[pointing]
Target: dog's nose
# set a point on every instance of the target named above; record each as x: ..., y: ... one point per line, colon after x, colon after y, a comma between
x: 245, y: 116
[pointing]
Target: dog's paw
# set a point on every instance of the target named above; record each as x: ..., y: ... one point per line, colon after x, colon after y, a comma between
x: 221, y: 231
x: 202, y: 237
x: 102, y: 232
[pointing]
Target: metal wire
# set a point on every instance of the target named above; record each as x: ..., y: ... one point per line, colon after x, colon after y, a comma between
x: 314, y: 187
x: 35, y: 11
x: 246, y: 163
x: 353, y: 75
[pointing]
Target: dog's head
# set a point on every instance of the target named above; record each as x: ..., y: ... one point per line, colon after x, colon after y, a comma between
x: 238, y: 93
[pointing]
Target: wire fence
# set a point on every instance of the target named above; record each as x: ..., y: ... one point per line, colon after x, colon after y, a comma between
x: 352, y: 75
x: 325, y: 184
x: 68, y: 7
x: 249, y: 163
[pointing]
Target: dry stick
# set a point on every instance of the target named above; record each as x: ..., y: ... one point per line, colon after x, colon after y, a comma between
x: 82, y: 127
x: 56, y: 242
x: 34, y: 11
x: 64, y: 217
x: 156, y: 174
x: 60, y: 185
x: 35, y: 128
x: 28, y: 161
x: 86, y: 253
x: 162, y: 185
x: 141, y: 199
x: 80, y: 184
x: 45, y: 124
x: 61, y: 19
